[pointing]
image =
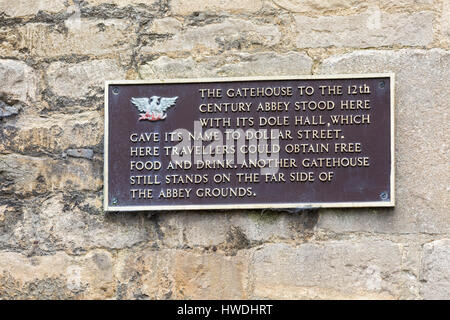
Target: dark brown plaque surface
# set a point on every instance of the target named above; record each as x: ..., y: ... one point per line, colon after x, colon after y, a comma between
x: 314, y: 141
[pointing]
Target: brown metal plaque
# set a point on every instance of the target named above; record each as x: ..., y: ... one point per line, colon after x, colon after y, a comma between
x: 290, y: 142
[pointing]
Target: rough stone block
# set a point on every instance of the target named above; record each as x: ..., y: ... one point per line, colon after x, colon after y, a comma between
x: 79, y: 37
x: 21, y: 8
x: 373, y: 28
x: 218, y: 37
x: 74, y: 221
x: 210, y: 276
x: 186, y: 7
x: 421, y: 137
x: 243, y: 64
x: 27, y: 176
x: 165, y: 26
x: 34, y: 135
x: 57, y: 276
x: 82, y: 79
x: 435, y: 273
x: 343, y: 269
x: 18, y: 81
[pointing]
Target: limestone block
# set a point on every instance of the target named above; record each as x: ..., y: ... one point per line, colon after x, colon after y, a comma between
x: 186, y: 7
x: 20, y: 8
x: 215, y: 37
x: 372, y: 28
x: 80, y: 37
x: 27, y: 176
x: 435, y: 273
x: 421, y: 125
x: 238, y: 65
x: 82, y: 79
x: 342, y: 269
x: 18, y: 81
x: 35, y: 135
x: 57, y: 276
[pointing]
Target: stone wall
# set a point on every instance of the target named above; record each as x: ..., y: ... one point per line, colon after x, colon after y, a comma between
x: 55, y: 239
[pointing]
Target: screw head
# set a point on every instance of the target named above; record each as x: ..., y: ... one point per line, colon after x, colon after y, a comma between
x: 381, y: 84
x: 115, y: 90
x: 384, y: 196
x: 114, y: 201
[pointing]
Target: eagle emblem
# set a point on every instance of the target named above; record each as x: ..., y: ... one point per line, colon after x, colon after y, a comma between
x: 154, y: 108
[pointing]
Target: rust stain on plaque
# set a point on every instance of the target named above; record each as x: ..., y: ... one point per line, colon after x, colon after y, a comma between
x: 249, y: 143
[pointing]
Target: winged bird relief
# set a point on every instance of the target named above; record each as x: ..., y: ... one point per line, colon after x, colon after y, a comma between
x: 154, y: 108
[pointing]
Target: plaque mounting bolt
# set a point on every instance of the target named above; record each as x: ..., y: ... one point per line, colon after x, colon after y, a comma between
x: 114, y: 201
x: 115, y: 90
x: 381, y: 84
x: 384, y: 196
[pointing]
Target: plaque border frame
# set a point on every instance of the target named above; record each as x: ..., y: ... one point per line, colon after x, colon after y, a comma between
x: 303, y: 205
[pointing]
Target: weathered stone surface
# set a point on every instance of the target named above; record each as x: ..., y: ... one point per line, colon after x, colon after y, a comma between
x: 317, y: 5
x: 123, y: 3
x: 57, y: 243
x: 343, y: 269
x: 165, y: 25
x: 74, y: 221
x: 145, y: 274
x: 258, y: 64
x: 445, y: 23
x: 82, y: 79
x: 19, y: 81
x: 36, y: 135
x: 369, y: 29
x: 326, y: 6
x: 80, y: 153
x: 191, y: 229
x: 8, y: 111
x: 168, y: 68
x: 182, y: 274
x: 268, y: 64
x: 186, y: 7
x: 27, y: 176
x: 218, y: 37
x: 421, y: 114
x: 435, y: 273
x: 57, y: 276
x: 80, y: 36
x: 210, y: 276
x: 22, y: 8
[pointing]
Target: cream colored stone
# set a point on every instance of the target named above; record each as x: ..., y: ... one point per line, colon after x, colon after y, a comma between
x: 82, y: 79
x: 122, y: 3
x: 369, y: 29
x: 241, y: 64
x: 165, y: 25
x: 57, y: 276
x: 74, y: 221
x: 21, y: 8
x: 229, y: 34
x: 32, y: 134
x: 18, y: 81
x: 168, y: 68
x: 186, y: 7
x: 146, y: 273
x: 83, y: 36
x: 445, y: 22
x: 268, y: 64
x: 305, y: 6
x: 209, y: 276
x: 435, y: 271
x: 422, y: 135
x: 345, y: 269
